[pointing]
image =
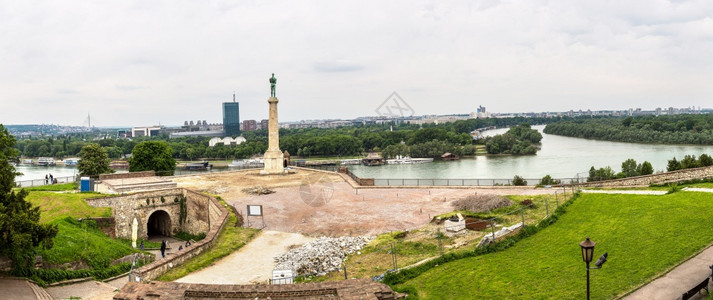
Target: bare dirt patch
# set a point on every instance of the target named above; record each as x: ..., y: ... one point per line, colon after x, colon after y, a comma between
x: 345, y: 211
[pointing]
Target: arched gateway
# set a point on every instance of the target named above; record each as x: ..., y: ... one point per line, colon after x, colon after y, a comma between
x: 159, y: 223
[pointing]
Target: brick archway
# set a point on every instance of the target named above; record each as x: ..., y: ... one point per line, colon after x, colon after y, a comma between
x: 159, y: 223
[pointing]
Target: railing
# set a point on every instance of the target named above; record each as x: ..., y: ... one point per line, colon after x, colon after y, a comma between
x: 457, y: 182
x: 41, y: 182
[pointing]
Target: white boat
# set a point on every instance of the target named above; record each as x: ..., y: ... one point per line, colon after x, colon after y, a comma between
x: 45, y: 161
x: 71, y: 161
x: 422, y: 160
x: 399, y: 160
x: 27, y: 161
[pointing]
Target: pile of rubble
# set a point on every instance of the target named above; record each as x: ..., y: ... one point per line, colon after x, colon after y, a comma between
x: 321, y: 256
x: 258, y: 190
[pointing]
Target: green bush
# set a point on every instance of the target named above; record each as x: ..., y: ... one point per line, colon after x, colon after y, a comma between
x: 517, y: 180
x: 187, y: 236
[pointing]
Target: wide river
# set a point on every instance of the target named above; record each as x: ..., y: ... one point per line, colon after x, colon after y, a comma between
x: 560, y: 157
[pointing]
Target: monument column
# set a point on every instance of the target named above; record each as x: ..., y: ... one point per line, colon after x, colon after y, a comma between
x: 273, y: 156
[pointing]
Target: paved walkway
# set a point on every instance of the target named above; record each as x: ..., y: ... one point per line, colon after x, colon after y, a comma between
x: 253, y: 263
x: 629, y: 192
x: 678, y: 281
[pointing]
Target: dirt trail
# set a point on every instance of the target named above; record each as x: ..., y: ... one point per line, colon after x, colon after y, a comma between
x: 253, y: 263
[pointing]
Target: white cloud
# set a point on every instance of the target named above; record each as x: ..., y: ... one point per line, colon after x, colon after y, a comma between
x: 140, y: 63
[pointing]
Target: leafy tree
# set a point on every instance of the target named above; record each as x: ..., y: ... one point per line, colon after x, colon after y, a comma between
x: 548, y: 180
x: 689, y: 161
x: 645, y: 168
x: 673, y: 165
x: 94, y: 161
x: 152, y: 155
x: 517, y: 180
x: 705, y: 160
x: 629, y: 168
x: 20, y: 230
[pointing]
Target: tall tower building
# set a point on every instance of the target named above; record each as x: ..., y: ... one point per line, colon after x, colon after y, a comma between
x: 231, y: 118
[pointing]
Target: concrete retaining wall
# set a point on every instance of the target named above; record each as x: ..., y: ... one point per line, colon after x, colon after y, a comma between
x: 127, y: 175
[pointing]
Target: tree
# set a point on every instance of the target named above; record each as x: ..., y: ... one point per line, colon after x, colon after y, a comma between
x: 517, y: 180
x: 673, y: 165
x: 628, y: 168
x: 645, y: 168
x: 705, y: 160
x: 20, y: 228
x: 548, y: 180
x: 152, y: 155
x: 94, y: 161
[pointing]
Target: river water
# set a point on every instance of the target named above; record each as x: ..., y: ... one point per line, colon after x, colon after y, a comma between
x: 560, y: 157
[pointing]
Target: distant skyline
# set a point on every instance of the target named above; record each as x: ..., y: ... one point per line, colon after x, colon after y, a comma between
x: 138, y: 63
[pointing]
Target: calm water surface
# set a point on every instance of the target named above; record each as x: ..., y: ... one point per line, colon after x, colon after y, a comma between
x: 560, y: 157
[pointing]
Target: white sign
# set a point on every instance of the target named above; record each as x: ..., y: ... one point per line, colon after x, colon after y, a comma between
x: 254, y: 210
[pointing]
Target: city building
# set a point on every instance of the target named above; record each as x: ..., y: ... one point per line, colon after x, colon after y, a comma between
x: 228, y: 141
x: 264, y: 124
x: 249, y: 125
x: 231, y: 118
x: 146, y: 131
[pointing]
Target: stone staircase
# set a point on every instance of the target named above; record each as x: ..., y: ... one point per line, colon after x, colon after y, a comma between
x: 39, y: 292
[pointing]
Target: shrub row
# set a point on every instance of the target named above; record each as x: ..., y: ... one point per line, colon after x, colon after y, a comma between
x: 46, y: 276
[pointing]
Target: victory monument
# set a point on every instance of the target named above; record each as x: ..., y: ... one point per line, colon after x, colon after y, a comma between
x: 274, y: 159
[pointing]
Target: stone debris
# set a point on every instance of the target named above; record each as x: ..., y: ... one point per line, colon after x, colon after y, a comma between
x: 258, y: 190
x: 455, y: 223
x: 488, y: 238
x: 320, y: 256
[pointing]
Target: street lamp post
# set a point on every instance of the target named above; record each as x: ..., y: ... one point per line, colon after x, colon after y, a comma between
x: 587, y: 254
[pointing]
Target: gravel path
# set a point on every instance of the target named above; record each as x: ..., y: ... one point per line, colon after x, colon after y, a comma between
x: 86, y: 290
x: 692, y: 189
x: 253, y: 263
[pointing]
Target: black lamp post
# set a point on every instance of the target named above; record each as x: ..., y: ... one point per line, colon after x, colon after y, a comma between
x: 587, y: 255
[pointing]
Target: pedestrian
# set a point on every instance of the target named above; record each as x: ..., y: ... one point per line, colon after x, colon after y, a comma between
x: 51, y: 178
x: 163, y: 248
x: 141, y: 246
x: 47, y: 179
x: 188, y: 243
x: 180, y: 248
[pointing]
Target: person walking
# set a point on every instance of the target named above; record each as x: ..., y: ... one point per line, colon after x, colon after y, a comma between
x: 163, y: 248
x: 47, y: 178
x: 141, y: 246
x: 51, y: 178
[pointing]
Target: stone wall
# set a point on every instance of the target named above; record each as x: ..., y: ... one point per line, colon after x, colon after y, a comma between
x: 141, y: 205
x: 659, y: 178
x: 156, y: 268
x: 127, y: 175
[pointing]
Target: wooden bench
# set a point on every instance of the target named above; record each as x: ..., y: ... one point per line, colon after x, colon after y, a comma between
x: 695, y: 290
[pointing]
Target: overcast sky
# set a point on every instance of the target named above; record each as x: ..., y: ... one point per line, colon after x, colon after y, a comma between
x: 137, y: 63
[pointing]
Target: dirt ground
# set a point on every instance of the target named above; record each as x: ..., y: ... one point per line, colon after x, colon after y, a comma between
x: 321, y: 204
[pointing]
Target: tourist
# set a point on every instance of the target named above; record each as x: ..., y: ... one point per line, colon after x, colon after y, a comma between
x: 188, y: 243
x: 180, y: 248
x: 141, y: 246
x: 163, y: 248
x: 46, y: 179
x: 51, y: 178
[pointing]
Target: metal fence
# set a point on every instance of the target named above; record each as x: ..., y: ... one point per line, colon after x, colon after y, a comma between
x: 41, y: 182
x: 459, y: 182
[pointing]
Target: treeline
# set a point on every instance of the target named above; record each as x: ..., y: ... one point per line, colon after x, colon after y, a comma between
x: 675, y: 129
x: 518, y: 140
x: 689, y: 162
x: 629, y: 168
x: 423, y: 140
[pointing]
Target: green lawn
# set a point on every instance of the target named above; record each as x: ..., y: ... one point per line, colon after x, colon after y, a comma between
x: 53, y: 187
x: 644, y: 235
x: 59, y: 205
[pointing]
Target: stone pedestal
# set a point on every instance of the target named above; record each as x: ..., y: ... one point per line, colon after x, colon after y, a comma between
x: 273, y: 156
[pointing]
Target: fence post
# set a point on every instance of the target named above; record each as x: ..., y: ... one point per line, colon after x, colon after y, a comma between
x: 440, y: 244
x: 492, y: 228
x: 547, y: 207
x: 522, y: 214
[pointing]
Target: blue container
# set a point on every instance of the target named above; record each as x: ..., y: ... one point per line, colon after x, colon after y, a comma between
x: 85, y: 184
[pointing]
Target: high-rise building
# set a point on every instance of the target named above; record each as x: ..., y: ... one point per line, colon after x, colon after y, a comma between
x: 231, y: 118
x: 264, y: 124
x: 249, y: 125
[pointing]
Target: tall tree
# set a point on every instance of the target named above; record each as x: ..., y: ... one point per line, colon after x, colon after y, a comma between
x: 152, y: 155
x: 95, y: 161
x: 20, y: 230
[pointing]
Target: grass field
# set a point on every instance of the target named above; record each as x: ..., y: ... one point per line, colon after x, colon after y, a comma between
x: 644, y: 236
x: 59, y: 205
x: 229, y: 240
